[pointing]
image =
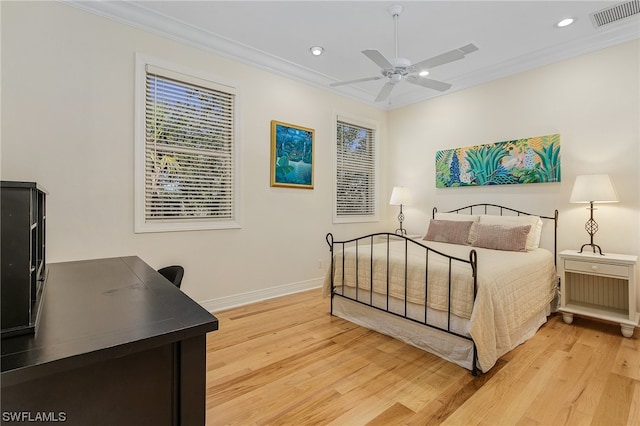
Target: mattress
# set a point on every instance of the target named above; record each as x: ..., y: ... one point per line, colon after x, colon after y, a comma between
x: 514, y: 289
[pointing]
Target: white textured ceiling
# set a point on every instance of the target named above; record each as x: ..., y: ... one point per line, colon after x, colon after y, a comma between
x: 512, y: 36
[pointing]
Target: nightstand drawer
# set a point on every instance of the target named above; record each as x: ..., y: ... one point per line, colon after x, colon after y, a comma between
x: 596, y: 268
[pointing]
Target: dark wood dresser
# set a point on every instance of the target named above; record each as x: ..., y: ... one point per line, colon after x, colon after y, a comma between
x: 115, y: 343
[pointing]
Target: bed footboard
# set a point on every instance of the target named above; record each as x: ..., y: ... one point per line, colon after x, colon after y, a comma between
x: 378, y: 266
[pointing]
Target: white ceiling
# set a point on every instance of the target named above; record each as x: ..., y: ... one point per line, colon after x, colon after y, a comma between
x: 512, y: 36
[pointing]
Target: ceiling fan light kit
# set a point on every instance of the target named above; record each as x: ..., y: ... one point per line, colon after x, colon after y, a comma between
x: 398, y: 69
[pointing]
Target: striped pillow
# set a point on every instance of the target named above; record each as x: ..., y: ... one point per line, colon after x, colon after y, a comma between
x: 500, y: 237
x: 533, y: 239
x: 449, y: 231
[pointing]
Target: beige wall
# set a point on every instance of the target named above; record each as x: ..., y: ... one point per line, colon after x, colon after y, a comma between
x: 593, y: 101
x: 67, y: 123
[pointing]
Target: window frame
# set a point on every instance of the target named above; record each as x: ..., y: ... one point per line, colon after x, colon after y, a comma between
x: 374, y: 127
x: 141, y: 225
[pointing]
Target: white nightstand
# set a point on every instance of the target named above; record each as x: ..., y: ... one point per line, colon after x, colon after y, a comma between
x: 599, y: 286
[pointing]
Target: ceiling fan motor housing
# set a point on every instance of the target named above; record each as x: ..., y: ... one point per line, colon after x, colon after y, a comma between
x: 401, y: 67
x: 400, y: 62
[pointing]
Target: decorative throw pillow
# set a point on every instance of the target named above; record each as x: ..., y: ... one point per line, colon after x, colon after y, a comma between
x: 449, y: 231
x: 533, y: 238
x: 500, y: 237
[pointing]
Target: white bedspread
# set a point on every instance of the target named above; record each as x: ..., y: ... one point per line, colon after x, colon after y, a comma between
x: 512, y: 287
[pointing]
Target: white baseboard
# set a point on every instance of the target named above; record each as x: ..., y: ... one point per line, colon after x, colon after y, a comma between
x: 228, y: 302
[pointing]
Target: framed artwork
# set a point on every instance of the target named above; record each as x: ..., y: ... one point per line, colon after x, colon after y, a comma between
x: 530, y: 160
x: 291, y: 155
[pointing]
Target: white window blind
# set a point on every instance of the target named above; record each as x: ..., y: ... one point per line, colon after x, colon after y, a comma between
x: 189, y: 168
x: 355, y: 171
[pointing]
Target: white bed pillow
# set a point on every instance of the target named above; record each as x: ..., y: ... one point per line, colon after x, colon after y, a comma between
x: 457, y: 217
x: 533, y: 238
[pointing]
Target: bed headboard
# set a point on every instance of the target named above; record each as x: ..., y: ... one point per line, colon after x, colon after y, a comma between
x: 498, y: 210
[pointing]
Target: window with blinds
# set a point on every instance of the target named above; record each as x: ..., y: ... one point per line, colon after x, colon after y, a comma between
x: 188, y: 153
x: 356, y: 172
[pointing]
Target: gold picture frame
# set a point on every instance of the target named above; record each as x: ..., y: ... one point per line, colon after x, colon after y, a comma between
x: 292, y: 151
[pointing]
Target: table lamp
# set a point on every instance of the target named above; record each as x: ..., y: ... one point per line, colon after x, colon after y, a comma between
x: 400, y: 196
x: 593, y: 189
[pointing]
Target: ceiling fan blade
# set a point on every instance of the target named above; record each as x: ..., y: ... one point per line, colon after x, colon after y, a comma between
x: 446, y: 57
x: 429, y: 83
x: 441, y: 59
x: 340, y: 83
x: 385, y: 92
x: 378, y: 58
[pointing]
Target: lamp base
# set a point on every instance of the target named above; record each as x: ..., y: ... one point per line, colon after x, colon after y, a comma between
x: 401, y: 219
x: 593, y: 246
x: 591, y: 227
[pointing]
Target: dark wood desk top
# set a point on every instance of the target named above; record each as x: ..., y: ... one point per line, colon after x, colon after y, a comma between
x: 98, y: 309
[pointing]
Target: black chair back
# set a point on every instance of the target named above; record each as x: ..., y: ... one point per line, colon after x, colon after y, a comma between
x: 173, y: 273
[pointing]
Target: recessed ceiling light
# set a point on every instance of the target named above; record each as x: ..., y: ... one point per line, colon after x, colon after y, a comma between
x: 423, y: 73
x: 565, y: 22
x: 316, y: 50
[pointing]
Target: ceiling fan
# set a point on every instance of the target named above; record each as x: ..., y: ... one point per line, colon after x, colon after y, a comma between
x: 399, y: 69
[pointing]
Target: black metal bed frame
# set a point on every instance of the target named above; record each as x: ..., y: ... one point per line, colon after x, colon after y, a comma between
x: 472, y: 261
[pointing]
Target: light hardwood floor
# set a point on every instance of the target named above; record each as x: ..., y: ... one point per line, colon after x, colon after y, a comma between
x: 287, y: 361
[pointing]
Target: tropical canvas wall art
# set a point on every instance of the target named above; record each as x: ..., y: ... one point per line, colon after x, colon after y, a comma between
x: 291, y: 155
x: 531, y: 160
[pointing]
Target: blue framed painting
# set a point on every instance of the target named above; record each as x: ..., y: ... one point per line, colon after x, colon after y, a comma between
x: 530, y: 160
x: 291, y: 155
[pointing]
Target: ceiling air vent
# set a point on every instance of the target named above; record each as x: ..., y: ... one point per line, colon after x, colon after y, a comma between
x: 615, y: 13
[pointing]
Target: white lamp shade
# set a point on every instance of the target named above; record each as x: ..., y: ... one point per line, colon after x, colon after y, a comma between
x: 593, y: 188
x: 400, y: 196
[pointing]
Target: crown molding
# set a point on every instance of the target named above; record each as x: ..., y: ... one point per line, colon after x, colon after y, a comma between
x: 139, y: 17
x: 601, y: 39
x: 155, y: 23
